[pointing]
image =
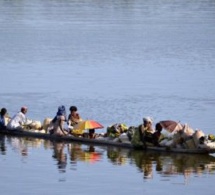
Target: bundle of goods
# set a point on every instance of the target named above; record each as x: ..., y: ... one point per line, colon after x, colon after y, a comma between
x: 189, y: 139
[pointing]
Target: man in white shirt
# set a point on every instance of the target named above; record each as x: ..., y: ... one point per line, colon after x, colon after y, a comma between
x: 18, y: 119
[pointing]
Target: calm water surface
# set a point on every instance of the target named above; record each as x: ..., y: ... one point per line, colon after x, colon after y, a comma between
x: 117, y: 61
x: 37, y: 167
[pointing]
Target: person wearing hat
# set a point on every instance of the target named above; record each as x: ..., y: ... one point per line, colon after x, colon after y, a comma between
x: 143, y: 133
x: 58, y: 122
x: 146, y: 127
x: 147, y: 130
x: 18, y: 120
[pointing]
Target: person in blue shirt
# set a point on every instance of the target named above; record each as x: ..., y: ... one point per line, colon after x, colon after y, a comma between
x: 2, y: 118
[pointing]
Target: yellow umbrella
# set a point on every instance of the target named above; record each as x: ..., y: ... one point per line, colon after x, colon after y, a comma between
x: 88, y: 124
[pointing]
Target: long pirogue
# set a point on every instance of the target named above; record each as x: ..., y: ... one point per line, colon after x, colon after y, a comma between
x: 108, y: 142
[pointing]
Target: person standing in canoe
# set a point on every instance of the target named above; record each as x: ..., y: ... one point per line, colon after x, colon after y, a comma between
x: 59, y: 120
x: 18, y: 120
x: 3, y: 114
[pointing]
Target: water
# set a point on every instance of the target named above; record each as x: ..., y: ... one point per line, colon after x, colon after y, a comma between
x: 38, y: 167
x: 117, y: 61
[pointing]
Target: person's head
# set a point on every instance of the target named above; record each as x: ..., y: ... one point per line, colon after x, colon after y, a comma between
x: 158, y: 127
x: 147, y: 121
x: 3, y: 111
x: 91, y: 131
x: 73, y: 109
x: 61, y: 110
x: 24, y: 109
x: 76, y: 115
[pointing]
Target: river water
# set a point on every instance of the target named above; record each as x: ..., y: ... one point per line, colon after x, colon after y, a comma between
x: 117, y: 61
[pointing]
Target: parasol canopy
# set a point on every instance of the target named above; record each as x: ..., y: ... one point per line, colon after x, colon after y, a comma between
x: 88, y: 124
x: 171, y: 126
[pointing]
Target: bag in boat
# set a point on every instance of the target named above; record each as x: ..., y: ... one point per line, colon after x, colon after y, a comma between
x: 116, y: 129
x: 187, y: 131
x: 130, y: 132
x: 209, y: 145
x: 190, y: 144
x: 198, y: 134
x: 124, y: 138
x: 136, y: 140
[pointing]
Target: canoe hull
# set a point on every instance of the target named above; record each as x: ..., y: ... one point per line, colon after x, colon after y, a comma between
x: 100, y: 142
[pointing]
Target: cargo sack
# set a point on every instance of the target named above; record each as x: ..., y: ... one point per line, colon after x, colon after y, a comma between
x: 136, y: 140
x: 198, y: 134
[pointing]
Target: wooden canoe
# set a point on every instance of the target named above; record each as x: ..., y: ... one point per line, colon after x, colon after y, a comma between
x: 107, y: 142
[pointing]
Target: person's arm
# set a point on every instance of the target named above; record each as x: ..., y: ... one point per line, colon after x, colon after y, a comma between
x: 69, y: 117
x: 21, y: 119
x: 61, y: 122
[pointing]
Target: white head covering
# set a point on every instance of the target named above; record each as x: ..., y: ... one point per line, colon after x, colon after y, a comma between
x: 148, y: 119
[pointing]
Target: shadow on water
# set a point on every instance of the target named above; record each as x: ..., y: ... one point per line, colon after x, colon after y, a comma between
x: 147, y: 162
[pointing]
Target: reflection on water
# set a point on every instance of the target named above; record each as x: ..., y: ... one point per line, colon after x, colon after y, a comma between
x: 60, y: 156
x: 169, y: 164
x: 2, y: 145
x: 89, y: 154
x: 118, y: 156
x: 149, y: 163
x: 20, y: 145
x: 75, y: 152
x: 164, y: 164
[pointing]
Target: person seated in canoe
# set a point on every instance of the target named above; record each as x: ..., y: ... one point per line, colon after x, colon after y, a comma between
x: 143, y: 134
x: 3, y: 114
x: 18, y: 120
x: 73, y: 119
x: 74, y: 116
x: 157, y: 136
x: 147, y: 130
x: 92, y: 134
x: 59, y: 121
